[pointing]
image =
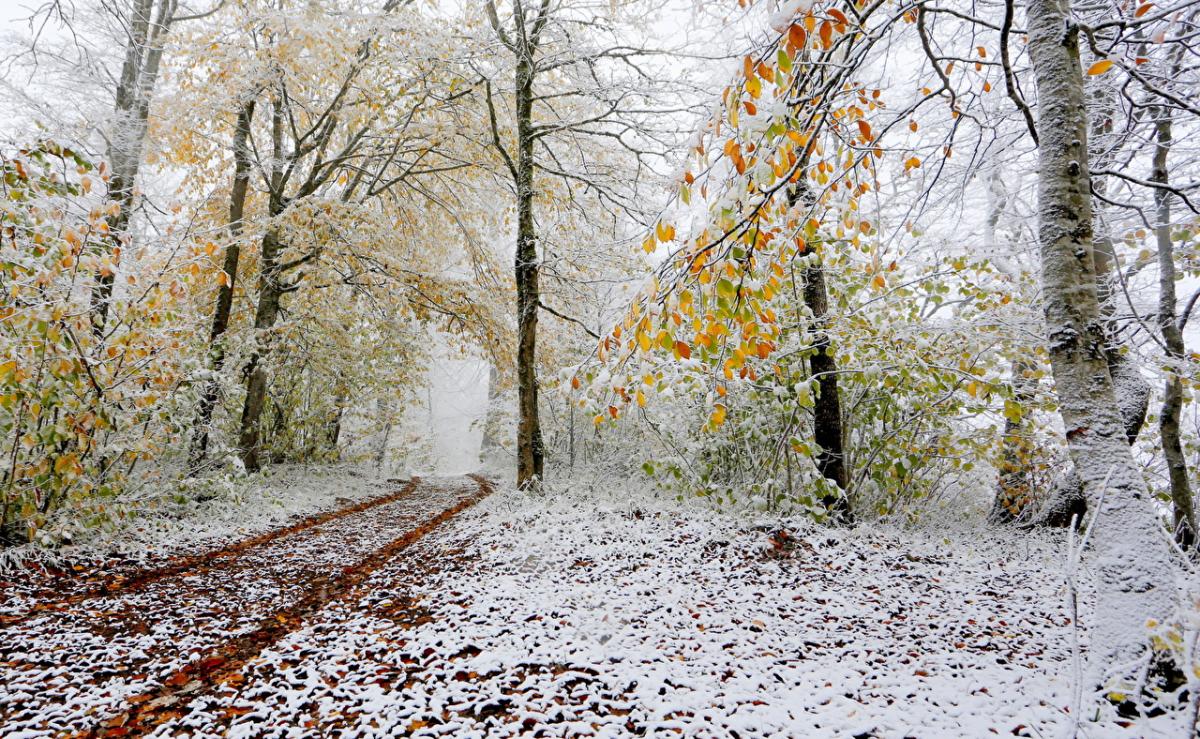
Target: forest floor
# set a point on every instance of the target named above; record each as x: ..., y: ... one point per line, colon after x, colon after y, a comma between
x: 439, y: 609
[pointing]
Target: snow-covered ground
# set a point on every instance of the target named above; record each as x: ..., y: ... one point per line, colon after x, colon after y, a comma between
x: 233, y: 509
x: 582, y: 614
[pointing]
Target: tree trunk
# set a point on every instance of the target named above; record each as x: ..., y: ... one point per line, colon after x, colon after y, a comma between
x: 1014, y: 484
x: 1067, y: 502
x: 1131, y: 559
x: 827, y: 406
x: 220, y: 322
x: 1014, y: 487
x: 126, y: 140
x: 270, y: 293
x: 530, y: 460
x: 1168, y: 424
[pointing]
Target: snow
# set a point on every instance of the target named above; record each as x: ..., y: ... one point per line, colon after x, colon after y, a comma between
x: 237, y: 507
x: 583, y: 613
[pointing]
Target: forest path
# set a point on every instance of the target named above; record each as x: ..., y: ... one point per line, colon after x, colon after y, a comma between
x: 113, y: 659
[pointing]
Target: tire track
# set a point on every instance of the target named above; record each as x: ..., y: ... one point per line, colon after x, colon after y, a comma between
x: 158, y: 706
x: 203, y: 561
x: 66, y: 669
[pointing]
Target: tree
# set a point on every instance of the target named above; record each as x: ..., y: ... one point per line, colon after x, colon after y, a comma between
x: 229, y: 270
x: 1131, y: 558
x: 1184, y: 513
x: 576, y: 90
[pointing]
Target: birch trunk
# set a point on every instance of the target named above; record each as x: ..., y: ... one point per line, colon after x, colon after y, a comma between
x: 1131, y: 557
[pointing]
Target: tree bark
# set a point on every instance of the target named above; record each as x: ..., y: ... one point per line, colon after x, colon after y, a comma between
x: 220, y: 322
x: 827, y: 406
x: 1131, y: 559
x: 1168, y: 423
x: 530, y: 452
x: 270, y: 293
x: 1067, y: 502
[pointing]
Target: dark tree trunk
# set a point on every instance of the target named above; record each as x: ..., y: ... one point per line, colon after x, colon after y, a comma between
x: 827, y: 407
x: 530, y: 453
x: 1014, y: 487
x: 220, y: 323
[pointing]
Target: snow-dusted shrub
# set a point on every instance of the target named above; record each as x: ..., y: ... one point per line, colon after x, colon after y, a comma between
x: 84, y: 402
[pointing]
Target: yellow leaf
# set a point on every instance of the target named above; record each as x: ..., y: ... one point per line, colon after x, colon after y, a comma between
x: 643, y: 341
x: 718, y: 415
x: 754, y: 87
x: 1100, y: 67
x: 641, y: 399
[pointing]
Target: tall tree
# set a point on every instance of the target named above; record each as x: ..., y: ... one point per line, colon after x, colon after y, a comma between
x: 564, y: 100
x: 147, y: 23
x: 1131, y: 557
x: 1184, y: 513
x: 522, y: 42
x: 229, y: 268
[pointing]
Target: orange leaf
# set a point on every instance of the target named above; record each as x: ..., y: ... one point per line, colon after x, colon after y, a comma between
x: 797, y: 37
x: 865, y: 129
x: 1100, y: 67
x: 1143, y: 9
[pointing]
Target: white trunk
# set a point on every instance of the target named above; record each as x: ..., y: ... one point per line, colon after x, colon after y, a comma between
x: 1131, y: 556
